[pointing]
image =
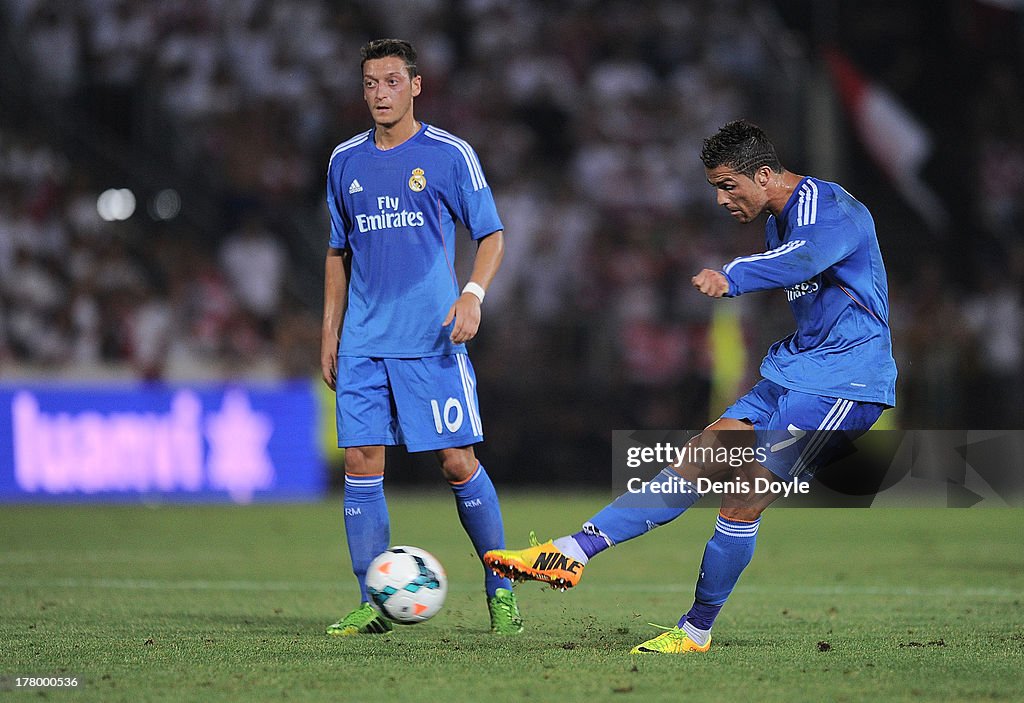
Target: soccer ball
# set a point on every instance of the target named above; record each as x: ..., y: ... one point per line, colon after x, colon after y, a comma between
x: 406, y: 584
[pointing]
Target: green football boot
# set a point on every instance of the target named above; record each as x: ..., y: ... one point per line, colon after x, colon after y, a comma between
x: 364, y: 620
x: 505, y: 617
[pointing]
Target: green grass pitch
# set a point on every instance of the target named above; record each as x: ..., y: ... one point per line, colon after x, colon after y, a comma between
x: 219, y: 603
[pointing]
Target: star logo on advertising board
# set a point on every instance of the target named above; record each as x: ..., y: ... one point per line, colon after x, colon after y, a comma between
x: 239, y: 462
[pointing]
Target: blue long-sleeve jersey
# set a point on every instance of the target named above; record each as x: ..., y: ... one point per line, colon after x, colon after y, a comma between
x: 823, y: 250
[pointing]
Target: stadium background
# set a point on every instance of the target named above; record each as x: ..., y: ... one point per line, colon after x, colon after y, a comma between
x: 219, y: 117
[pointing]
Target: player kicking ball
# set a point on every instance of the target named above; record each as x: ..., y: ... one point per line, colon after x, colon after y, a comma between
x: 827, y: 382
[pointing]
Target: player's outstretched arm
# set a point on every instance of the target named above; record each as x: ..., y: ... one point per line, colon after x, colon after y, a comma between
x: 335, y: 299
x: 466, y: 309
x: 711, y: 283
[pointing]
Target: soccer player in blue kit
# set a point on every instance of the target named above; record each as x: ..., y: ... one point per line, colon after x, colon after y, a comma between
x: 822, y: 385
x: 395, y: 321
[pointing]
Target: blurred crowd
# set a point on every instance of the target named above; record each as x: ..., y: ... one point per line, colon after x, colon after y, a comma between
x: 588, y: 118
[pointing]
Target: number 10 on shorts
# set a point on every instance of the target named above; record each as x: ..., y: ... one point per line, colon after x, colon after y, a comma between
x: 450, y: 417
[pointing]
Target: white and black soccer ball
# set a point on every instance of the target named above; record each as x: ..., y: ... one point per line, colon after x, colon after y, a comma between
x: 406, y: 584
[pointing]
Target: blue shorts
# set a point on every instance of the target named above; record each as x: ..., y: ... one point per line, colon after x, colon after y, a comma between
x: 425, y: 403
x: 799, y: 432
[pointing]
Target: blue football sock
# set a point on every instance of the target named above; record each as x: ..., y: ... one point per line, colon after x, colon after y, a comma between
x: 480, y: 515
x: 367, y: 526
x: 590, y: 541
x: 632, y: 514
x: 727, y: 553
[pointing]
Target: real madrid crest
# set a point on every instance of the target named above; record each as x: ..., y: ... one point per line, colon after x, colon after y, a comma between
x: 417, y: 181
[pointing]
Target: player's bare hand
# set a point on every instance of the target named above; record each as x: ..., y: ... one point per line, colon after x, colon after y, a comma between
x: 466, y: 313
x: 711, y: 283
x: 329, y: 360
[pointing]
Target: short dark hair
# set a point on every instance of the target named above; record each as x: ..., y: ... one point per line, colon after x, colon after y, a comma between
x: 382, y: 48
x: 742, y: 146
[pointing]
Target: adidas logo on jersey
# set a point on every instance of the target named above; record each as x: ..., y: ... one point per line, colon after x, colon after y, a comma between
x: 354, y: 187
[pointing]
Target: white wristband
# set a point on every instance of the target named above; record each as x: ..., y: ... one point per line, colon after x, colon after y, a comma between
x: 476, y: 289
